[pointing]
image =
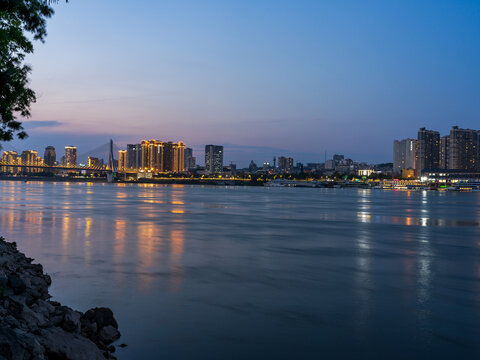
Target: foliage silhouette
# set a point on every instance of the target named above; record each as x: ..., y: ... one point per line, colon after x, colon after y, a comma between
x: 21, y: 22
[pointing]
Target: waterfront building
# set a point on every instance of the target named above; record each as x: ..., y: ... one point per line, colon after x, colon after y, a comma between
x: 365, y: 172
x: 49, y: 156
x: 428, y: 150
x: 213, y: 159
x: 285, y: 164
x: 155, y: 161
x: 408, y: 173
x: 463, y: 149
x: 70, y: 156
x: 94, y: 162
x: 31, y: 158
x: 404, y: 155
x: 11, y: 157
x: 444, y: 151
x: 451, y: 176
x: 132, y: 156
x: 329, y: 165
x: 174, y: 156
x: 190, y: 160
x: 143, y: 156
x: 337, y: 159
x: 122, y: 160
x: 155, y: 156
x: 150, y: 156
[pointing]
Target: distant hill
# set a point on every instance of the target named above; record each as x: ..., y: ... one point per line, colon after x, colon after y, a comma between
x: 100, y: 152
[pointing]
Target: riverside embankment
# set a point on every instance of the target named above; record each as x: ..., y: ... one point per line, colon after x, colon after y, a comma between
x: 34, y: 327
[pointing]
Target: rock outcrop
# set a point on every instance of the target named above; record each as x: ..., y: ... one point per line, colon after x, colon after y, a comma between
x: 34, y: 327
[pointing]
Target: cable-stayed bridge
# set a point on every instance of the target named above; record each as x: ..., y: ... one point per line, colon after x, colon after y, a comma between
x: 18, y: 165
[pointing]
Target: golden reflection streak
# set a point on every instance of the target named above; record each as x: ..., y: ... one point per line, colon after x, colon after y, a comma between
x: 88, y: 244
x: 120, y: 235
x: 65, y: 232
x: 177, y: 211
x: 147, y: 232
x: 177, y: 240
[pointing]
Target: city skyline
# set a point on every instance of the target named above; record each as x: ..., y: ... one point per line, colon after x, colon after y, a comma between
x: 346, y: 82
x: 198, y: 152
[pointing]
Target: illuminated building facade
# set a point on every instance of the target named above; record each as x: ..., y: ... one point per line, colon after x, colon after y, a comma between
x: 365, y: 172
x: 70, y: 156
x: 30, y: 157
x: 155, y: 156
x: 428, y: 150
x: 122, y: 159
x: 213, y: 159
x: 404, y: 155
x: 49, y: 156
x: 94, y: 162
x: 11, y: 157
x: 174, y: 156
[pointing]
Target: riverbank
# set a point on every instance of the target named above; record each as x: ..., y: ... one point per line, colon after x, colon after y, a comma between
x: 34, y: 327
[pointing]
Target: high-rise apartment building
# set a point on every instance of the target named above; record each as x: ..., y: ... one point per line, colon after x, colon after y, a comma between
x: 11, y: 157
x: 155, y: 156
x: 444, y: 151
x: 337, y: 159
x: 122, y: 160
x: 428, y: 150
x: 213, y: 159
x: 190, y: 160
x: 70, y: 156
x: 30, y: 157
x: 133, y: 151
x: 284, y: 163
x: 143, y: 156
x: 150, y: 154
x: 49, y: 156
x: 94, y: 162
x: 174, y: 156
x: 463, y: 151
x: 404, y: 155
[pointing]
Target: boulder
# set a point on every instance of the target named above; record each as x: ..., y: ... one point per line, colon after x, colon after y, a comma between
x: 11, y: 345
x: 101, y: 316
x: 35, y: 328
x: 60, y: 344
x: 108, y: 334
x: 71, y: 321
x: 18, y: 285
x: 33, y: 319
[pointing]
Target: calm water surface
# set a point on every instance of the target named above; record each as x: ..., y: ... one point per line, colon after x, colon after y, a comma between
x: 196, y: 272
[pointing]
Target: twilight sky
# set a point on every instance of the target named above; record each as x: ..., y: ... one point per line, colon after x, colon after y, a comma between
x: 262, y: 77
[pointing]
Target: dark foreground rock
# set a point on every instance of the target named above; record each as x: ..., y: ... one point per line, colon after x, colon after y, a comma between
x: 33, y: 327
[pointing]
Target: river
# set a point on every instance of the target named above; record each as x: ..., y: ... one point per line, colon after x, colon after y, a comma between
x: 212, y: 272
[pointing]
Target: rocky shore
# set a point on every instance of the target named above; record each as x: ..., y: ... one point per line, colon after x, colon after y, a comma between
x: 34, y: 327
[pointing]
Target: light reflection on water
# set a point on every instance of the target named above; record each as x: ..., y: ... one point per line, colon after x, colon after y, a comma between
x: 214, y: 272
